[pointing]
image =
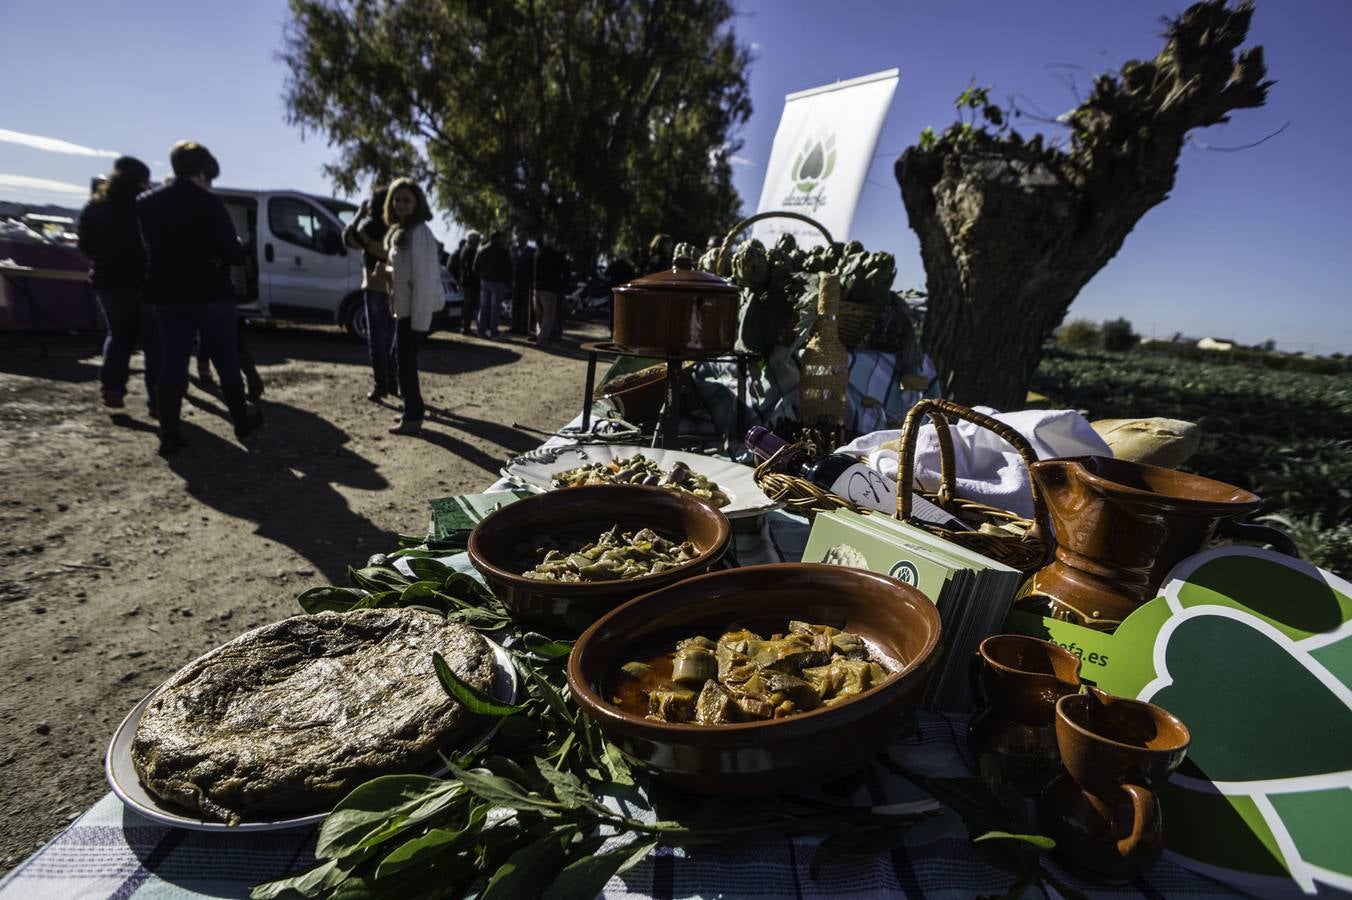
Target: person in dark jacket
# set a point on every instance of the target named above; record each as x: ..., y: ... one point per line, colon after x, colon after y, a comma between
x: 551, y: 277
x: 469, y: 281
x: 523, y: 276
x: 190, y: 246
x: 111, y: 239
x: 493, y: 265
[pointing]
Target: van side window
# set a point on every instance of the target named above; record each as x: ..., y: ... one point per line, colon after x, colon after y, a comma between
x: 299, y: 223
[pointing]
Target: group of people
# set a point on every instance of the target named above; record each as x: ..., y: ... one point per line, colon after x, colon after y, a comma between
x: 160, y: 264
x: 533, y: 278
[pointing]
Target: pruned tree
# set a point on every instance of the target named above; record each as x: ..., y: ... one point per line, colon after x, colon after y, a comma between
x: 1010, y: 230
x: 599, y: 120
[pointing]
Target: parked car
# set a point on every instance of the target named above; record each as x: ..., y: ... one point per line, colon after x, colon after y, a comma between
x: 297, y: 265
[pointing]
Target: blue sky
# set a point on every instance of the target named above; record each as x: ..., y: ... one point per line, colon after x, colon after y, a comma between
x: 1254, y: 244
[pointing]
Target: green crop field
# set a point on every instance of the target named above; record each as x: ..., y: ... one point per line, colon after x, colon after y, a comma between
x: 1285, y: 435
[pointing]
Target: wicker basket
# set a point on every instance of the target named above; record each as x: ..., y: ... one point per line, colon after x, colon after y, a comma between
x: 1005, y: 537
x: 857, y: 321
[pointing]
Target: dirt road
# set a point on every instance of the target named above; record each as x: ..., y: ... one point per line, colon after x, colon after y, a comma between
x: 117, y: 567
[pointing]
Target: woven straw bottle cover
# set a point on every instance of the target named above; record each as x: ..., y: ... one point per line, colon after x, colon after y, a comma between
x: 826, y: 362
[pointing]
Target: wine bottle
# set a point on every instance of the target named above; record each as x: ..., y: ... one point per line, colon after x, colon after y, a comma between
x: 838, y: 473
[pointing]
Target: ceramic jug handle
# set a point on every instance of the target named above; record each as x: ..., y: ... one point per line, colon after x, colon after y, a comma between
x: 1247, y: 531
x: 1143, y: 811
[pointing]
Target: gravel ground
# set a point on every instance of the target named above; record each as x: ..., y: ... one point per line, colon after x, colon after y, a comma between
x: 117, y: 566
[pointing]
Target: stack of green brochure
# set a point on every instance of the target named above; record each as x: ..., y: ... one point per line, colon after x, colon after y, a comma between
x: 972, y: 592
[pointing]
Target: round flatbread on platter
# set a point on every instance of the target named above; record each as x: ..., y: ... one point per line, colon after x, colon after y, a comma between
x: 274, y: 727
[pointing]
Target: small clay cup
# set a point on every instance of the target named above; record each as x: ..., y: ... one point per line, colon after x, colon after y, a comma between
x: 1103, y: 811
x: 1017, y: 681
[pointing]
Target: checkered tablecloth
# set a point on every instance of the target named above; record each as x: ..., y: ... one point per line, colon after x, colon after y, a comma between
x: 113, y: 852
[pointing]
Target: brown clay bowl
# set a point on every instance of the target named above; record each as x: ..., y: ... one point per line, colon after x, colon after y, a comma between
x: 496, y: 543
x: 779, y: 756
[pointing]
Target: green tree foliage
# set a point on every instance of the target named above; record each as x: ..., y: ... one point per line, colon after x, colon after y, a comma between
x: 1118, y: 336
x: 1081, y: 334
x: 598, y: 120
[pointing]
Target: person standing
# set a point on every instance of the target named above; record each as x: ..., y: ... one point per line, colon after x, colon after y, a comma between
x: 415, y: 290
x: 660, y: 250
x: 493, y: 265
x: 111, y: 238
x: 469, y: 281
x: 523, y: 276
x: 366, y: 233
x: 453, y: 264
x: 551, y: 273
x: 190, y: 245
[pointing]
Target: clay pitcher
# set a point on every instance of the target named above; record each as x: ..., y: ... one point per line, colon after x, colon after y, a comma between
x: 1016, y: 681
x: 1120, y: 527
x: 1103, y: 811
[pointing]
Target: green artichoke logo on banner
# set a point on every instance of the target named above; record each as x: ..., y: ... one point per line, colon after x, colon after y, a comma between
x: 815, y: 163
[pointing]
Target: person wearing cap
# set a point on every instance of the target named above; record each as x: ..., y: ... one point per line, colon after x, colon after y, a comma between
x: 190, y: 245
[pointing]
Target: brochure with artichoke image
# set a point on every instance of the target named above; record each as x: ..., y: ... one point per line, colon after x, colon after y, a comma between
x: 971, y: 592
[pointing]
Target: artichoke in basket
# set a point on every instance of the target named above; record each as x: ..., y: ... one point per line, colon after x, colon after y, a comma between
x: 751, y: 266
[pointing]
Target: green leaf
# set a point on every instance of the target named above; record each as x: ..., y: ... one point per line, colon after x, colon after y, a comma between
x: 553, y: 699
x: 474, y: 699
x: 616, y: 764
x: 546, y: 647
x: 468, y: 589
x: 583, y: 879
x: 529, y: 870
x: 567, y: 788
x: 502, y: 791
x: 421, y: 592
x: 377, y: 578
x: 306, y: 884
x: 372, y: 807
x: 425, y: 569
x: 435, y: 842
x: 1040, y: 841
x: 329, y: 599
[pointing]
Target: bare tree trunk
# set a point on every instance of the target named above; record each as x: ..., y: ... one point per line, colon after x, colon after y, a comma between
x: 1010, y: 231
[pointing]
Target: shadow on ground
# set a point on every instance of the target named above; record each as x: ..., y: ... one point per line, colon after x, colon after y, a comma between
x: 284, y: 483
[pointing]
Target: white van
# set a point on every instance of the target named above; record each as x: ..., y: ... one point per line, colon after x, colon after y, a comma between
x: 297, y: 265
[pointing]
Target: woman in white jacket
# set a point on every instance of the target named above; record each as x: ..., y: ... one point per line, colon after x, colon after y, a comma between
x: 415, y: 289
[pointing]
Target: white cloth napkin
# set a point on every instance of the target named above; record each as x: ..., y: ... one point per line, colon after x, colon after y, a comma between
x: 988, y: 470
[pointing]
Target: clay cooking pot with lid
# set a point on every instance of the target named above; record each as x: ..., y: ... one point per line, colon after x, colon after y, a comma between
x: 676, y: 313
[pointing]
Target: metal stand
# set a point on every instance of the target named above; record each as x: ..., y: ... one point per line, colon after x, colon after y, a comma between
x: 671, y: 416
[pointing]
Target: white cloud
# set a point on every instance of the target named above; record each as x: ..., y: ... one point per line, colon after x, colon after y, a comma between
x: 28, y: 183
x: 52, y: 145
x: 740, y: 160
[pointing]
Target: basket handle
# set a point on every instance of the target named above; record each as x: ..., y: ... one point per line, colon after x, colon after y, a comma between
x: 939, y: 410
x: 746, y: 223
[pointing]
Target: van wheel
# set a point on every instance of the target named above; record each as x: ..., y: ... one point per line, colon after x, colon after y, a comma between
x: 354, y: 318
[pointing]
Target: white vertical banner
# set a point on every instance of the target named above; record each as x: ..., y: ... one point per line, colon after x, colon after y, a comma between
x: 822, y: 152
